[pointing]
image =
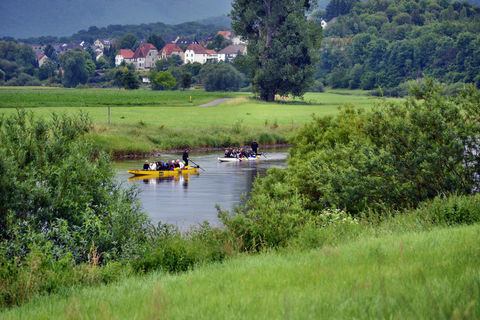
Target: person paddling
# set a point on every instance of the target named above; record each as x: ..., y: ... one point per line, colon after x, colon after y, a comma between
x: 185, y: 157
x: 254, y: 146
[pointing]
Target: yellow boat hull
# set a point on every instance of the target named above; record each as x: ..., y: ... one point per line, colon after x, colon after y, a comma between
x: 161, y: 174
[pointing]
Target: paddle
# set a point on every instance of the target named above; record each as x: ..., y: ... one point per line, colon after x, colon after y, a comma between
x: 196, y: 164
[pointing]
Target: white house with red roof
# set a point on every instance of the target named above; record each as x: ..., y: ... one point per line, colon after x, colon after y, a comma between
x: 195, y: 53
x: 171, y: 49
x: 123, y: 55
x: 145, y: 56
x: 230, y: 53
x: 212, y: 55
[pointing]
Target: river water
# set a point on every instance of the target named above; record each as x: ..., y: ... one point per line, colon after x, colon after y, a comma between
x: 189, y: 200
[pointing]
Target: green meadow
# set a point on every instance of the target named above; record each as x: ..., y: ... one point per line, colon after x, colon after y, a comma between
x: 416, y: 275
x: 142, y: 121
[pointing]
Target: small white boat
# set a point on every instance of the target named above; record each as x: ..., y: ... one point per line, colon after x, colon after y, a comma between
x: 253, y: 158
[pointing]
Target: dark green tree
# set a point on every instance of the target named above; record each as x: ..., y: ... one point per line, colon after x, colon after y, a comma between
x: 282, y: 45
x: 128, y: 41
x: 47, y: 70
x: 127, y: 77
x: 156, y: 40
x: 218, y: 43
x: 50, y: 52
x: 339, y: 7
x: 185, y: 80
x: 75, y: 66
x: 220, y: 77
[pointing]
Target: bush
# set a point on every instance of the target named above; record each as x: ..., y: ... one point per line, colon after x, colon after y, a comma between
x: 55, y: 187
x: 220, y: 77
x: 392, y: 158
x: 171, y: 251
x: 317, y: 86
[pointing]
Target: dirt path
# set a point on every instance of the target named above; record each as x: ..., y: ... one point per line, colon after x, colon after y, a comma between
x: 215, y: 102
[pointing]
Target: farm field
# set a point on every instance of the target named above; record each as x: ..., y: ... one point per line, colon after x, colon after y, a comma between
x: 417, y: 275
x: 142, y: 121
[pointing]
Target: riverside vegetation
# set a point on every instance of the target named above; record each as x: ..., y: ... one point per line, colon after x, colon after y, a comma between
x: 143, y: 120
x: 398, y: 250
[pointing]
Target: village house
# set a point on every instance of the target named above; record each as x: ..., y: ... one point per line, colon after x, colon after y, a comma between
x: 124, y: 55
x: 211, y: 55
x: 145, y: 56
x: 171, y: 49
x: 195, y: 53
x: 229, y: 53
x: 42, y: 58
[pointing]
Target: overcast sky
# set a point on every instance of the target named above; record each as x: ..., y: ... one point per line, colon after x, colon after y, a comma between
x: 33, y: 18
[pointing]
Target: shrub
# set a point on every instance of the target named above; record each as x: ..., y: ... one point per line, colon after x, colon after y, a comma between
x: 54, y: 186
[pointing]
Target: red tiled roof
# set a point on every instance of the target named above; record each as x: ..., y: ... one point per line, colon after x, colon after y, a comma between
x: 210, y: 51
x: 198, y: 49
x: 126, y: 53
x: 171, y: 47
x: 143, y: 50
x: 225, y: 34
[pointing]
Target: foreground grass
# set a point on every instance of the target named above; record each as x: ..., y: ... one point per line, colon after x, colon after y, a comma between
x: 142, y: 121
x: 416, y: 275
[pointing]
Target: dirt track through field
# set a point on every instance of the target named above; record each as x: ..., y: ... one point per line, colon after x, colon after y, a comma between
x: 215, y: 102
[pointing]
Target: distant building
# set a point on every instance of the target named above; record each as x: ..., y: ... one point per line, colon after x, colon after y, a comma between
x: 172, y: 49
x: 42, y: 58
x: 195, y: 53
x: 145, y: 56
x: 124, y: 55
x: 229, y: 53
x: 211, y: 55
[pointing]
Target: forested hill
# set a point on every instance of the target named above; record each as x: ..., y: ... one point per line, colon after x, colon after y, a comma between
x: 197, y: 30
x: 385, y: 43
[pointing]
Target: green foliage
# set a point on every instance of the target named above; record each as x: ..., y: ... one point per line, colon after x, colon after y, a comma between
x: 218, y: 43
x: 77, y: 66
x: 220, y: 77
x: 162, y: 80
x: 127, y: 77
x: 47, y: 70
x: 338, y: 7
x: 128, y: 41
x: 282, y: 45
x: 398, y: 41
x: 156, y: 40
x: 173, y: 251
x: 392, y: 158
x: 56, y: 188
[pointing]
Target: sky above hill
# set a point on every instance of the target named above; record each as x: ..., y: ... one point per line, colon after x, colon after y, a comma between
x: 33, y: 18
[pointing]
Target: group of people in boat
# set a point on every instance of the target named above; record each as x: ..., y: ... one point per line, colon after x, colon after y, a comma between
x: 242, y: 152
x: 167, y: 165
x: 163, y: 165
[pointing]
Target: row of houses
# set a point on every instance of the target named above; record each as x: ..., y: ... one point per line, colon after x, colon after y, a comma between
x: 147, y: 55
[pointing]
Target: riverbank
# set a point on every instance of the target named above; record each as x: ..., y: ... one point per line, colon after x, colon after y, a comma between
x: 416, y: 275
x: 144, y: 123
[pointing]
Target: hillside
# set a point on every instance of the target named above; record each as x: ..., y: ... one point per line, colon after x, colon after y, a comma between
x: 385, y: 43
x: 24, y: 18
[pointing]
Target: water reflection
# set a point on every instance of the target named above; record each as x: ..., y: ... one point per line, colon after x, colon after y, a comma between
x: 190, y: 199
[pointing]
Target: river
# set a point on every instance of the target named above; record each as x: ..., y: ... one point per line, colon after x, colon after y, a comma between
x: 189, y: 200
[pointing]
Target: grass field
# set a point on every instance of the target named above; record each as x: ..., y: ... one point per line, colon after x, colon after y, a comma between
x: 417, y: 275
x: 141, y: 120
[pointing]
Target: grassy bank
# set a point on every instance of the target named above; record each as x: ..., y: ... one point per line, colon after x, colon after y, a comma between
x: 142, y: 121
x: 415, y: 275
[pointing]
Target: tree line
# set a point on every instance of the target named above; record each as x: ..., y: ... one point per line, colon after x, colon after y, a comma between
x: 381, y: 43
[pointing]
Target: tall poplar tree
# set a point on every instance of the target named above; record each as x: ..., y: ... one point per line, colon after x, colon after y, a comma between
x: 282, y: 45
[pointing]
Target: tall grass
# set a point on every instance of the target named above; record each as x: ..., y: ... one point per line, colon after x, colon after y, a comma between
x: 169, y: 121
x: 419, y: 275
